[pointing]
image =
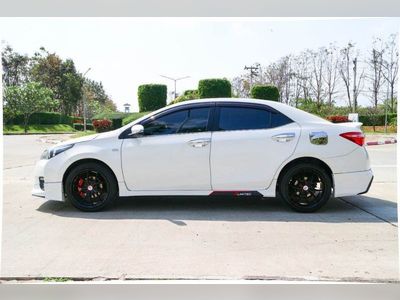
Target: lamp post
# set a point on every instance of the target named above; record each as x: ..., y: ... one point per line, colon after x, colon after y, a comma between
x: 84, y: 103
x: 175, y: 80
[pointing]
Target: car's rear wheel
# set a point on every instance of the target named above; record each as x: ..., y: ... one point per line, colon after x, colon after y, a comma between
x: 91, y: 187
x: 305, y: 187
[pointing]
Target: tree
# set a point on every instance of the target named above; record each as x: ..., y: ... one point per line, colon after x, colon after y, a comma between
x: 317, y: 70
x: 29, y: 98
x: 15, y: 67
x: 352, y: 82
x: 331, y: 73
x: 390, y: 64
x: 375, y: 74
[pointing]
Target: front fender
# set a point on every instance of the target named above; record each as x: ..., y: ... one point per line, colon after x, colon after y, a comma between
x: 106, y: 152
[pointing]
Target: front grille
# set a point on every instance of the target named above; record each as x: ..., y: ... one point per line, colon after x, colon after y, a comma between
x: 41, y: 183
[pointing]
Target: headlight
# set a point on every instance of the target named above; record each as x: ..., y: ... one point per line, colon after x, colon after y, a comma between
x: 47, y: 154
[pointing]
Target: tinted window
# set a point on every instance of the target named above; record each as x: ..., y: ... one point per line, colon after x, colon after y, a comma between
x: 196, y: 121
x: 240, y: 118
x: 278, y: 119
x: 167, y: 124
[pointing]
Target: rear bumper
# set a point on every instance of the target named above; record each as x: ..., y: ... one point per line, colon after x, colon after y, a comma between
x: 352, y: 183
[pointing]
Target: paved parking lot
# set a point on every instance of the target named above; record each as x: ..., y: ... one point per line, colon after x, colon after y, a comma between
x: 352, y: 238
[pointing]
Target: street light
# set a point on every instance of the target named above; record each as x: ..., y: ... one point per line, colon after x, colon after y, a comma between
x: 84, y: 103
x: 175, y: 80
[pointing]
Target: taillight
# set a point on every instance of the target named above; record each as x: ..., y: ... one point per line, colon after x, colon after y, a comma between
x: 354, y: 136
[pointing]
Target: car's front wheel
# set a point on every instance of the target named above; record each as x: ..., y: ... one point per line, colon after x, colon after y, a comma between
x: 305, y: 187
x: 91, y: 187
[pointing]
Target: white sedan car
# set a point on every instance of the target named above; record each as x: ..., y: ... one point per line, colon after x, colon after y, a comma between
x: 239, y: 147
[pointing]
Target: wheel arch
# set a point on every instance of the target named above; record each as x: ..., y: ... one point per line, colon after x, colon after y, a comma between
x: 305, y: 159
x: 86, y: 160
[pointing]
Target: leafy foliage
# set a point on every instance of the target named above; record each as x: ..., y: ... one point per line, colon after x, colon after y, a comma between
x: 133, y: 116
x: 102, y: 125
x: 187, y: 95
x: 266, y: 92
x: 214, y: 88
x: 29, y: 98
x: 338, y: 119
x: 152, y: 97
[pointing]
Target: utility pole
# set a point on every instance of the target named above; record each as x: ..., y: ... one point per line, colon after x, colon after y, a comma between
x: 253, y: 72
x: 84, y: 103
x: 355, y: 85
x: 175, y: 80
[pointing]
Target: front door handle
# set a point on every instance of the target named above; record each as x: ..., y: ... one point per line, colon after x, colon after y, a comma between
x: 198, y: 143
x: 284, y: 137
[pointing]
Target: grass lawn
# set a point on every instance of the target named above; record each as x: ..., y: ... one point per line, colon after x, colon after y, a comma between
x: 18, y: 129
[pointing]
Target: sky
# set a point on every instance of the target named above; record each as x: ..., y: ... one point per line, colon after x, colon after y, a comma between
x: 124, y: 53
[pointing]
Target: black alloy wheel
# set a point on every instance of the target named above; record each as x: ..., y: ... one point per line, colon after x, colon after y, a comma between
x: 90, y: 187
x: 305, y: 187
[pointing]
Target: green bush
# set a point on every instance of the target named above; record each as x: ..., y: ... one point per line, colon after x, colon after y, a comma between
x: 132, y: 117
x: 116, y: 123
x: 79, y: 126
x: 266, y: 92
x: 109, y: 115
x: 214, y: 88
x: 42, y: 118
x: 152, y: 97
x: 187, y: 95
x: 190, y: 92
x: 377, y: 119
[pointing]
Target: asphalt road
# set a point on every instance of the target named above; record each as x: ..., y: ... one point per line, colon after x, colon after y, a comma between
x: 352, y: 238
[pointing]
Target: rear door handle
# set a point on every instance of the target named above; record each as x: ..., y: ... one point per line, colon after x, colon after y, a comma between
x: 198, y: 143
x: 284, y: 137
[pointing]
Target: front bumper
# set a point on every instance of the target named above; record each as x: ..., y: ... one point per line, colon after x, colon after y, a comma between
x: 353, y: 183
x: 43, y: 189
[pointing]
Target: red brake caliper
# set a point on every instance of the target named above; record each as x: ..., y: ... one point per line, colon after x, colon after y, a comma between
x: 79, y: 186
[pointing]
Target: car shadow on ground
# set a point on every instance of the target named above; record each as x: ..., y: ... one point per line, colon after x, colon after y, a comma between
x: 232, y: 209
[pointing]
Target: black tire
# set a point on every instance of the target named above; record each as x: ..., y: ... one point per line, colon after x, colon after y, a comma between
x: 305, y: 187
x: 91, y: 187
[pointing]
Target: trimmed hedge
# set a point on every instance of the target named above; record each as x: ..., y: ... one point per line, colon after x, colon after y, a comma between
x: 152, y: 97
x: 43, y: 118
x: 116, y: 123
x: 265, y: 92
x: 79, y: 126
x: 376, y: 119
x: 215, y: 88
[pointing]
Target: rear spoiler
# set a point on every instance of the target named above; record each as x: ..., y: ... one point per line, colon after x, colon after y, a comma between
x: 351, y: 124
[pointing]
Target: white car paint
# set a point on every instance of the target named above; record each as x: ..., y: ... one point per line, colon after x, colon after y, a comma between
x: 242, y: 160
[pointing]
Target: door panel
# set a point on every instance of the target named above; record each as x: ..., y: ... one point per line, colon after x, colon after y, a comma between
x: 167, y: 162
x: 248, y: 159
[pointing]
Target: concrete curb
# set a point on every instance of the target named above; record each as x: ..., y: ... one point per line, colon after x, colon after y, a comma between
x: 392, y: 141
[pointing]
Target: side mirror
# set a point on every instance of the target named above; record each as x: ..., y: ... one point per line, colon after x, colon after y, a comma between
x: 136, y: 129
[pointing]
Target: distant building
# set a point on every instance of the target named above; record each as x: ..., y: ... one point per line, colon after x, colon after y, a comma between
x: 127, y: 107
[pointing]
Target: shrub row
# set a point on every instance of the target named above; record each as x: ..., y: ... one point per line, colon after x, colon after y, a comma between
x: 377, y: 119
x: 44, y: 118
x: 79, y: 126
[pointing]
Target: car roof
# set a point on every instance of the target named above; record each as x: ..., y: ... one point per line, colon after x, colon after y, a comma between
x: 295, y: 114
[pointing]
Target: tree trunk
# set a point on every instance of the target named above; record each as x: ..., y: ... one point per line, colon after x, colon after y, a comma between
x: 26, y: 119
